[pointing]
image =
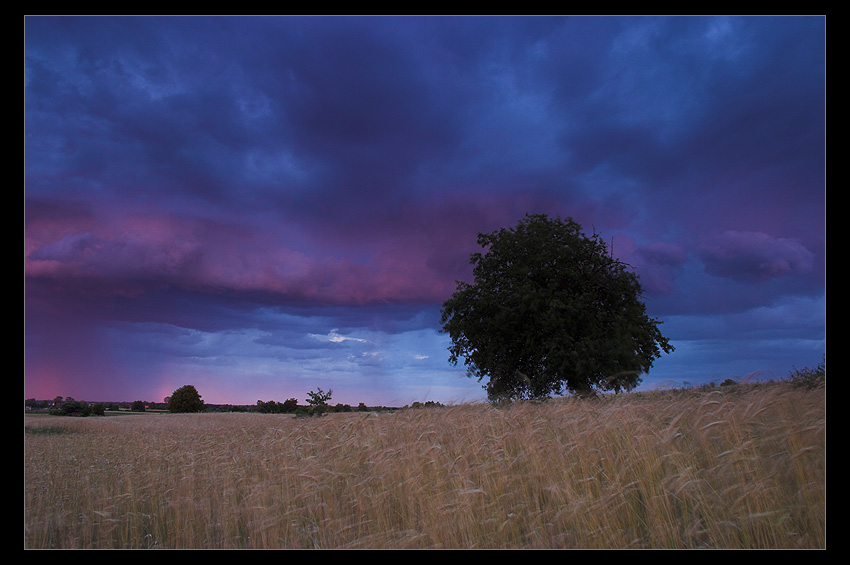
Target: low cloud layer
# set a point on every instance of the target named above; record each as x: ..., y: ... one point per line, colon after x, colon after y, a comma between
x: 755, y: 256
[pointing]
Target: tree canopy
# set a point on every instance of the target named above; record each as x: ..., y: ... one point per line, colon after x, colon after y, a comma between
x: 550, y: 311
x: 185, y: 399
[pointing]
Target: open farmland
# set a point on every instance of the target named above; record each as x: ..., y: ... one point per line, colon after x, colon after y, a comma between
x: 735, y: 467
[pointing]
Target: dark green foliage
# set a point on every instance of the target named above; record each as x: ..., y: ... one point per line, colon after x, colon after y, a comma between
x: 550, y: 311
x: 808, y: 377
x: 34, y: 404
x: 319, y: 398
x: 272, y: 407
x: 426, y: 404
x: 71, y: 407
x: 318, y: 402
x: 185, y: 399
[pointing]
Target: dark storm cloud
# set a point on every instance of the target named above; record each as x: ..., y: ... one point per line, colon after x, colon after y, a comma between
x: 256, y: 181
x: 755, y: 256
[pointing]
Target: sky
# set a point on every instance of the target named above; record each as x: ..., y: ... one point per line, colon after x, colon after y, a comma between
x: 265, y: 206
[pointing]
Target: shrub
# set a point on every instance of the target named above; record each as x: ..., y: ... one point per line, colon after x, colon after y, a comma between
x: 71, y: 407
x: 809, y: 378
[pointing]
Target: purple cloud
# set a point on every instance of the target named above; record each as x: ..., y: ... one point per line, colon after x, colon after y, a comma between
x: 754, y: 256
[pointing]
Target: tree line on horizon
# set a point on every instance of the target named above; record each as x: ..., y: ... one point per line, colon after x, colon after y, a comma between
x: 186, y: 399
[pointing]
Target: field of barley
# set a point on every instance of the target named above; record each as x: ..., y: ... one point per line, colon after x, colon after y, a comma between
x: 734, y: 467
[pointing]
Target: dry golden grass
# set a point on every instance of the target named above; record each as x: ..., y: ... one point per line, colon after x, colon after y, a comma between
x: 742, y: 468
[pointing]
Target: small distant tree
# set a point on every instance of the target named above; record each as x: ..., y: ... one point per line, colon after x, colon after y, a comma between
x: 185, y: 399
x: 319, y: 398
x: 138, y: 406
x: 318, y: 401
x: 550, y: 310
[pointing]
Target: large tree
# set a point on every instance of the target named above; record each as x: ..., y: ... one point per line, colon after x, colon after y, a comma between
x: 550, y: 311
x: 185, y: 399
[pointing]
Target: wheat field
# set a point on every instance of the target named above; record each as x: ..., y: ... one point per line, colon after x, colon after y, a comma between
x: 737, y: 468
